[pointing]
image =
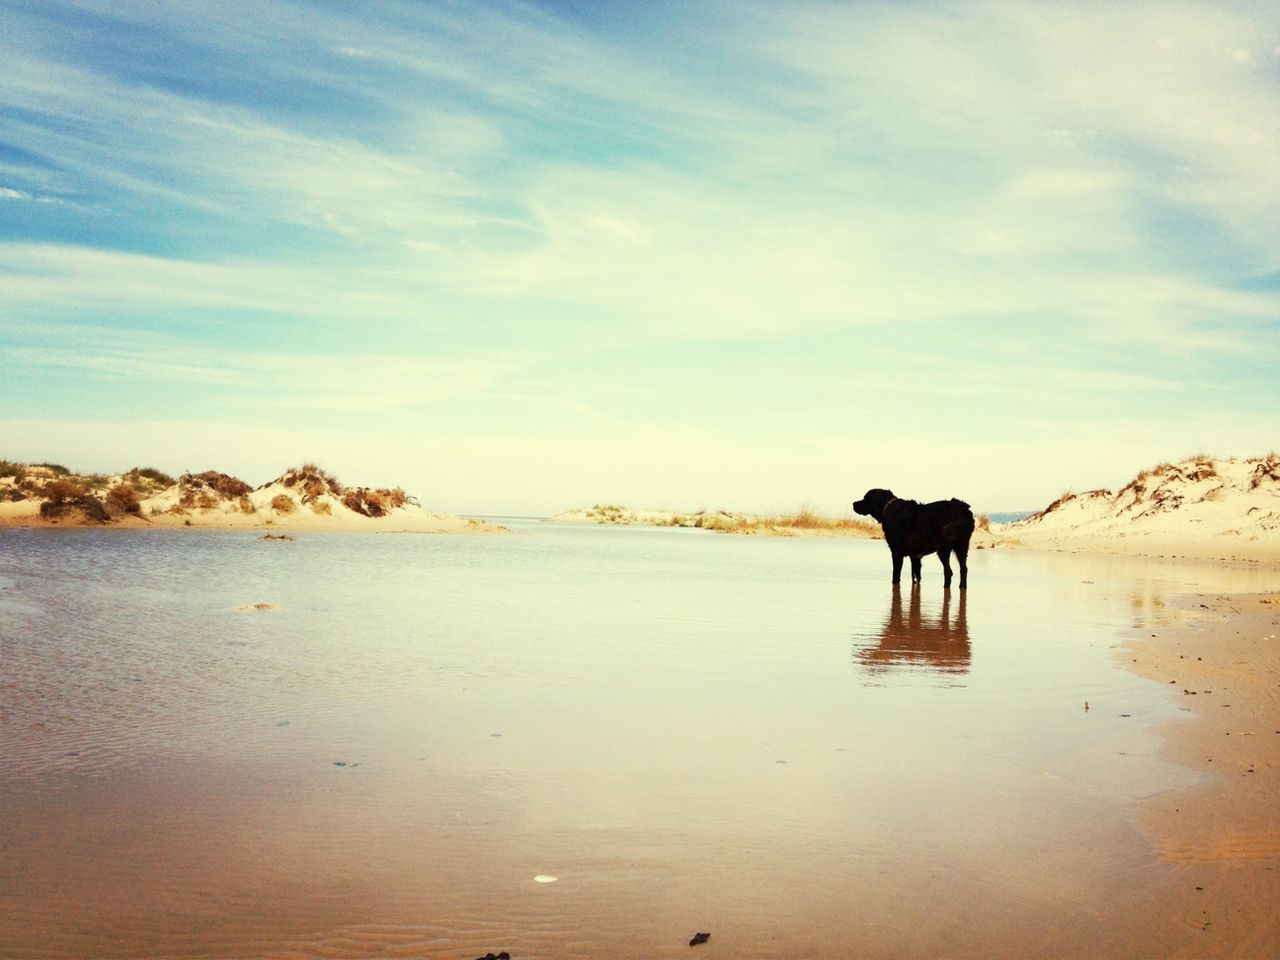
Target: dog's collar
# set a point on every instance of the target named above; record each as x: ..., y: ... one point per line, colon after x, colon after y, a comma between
x: 892, y: 502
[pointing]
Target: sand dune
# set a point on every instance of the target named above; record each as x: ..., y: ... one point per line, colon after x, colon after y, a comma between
x: 1202, y: 507
x: 301, y: 498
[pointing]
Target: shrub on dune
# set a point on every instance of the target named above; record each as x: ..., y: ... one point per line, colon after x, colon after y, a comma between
x: 68, y: 499
x: 1267, y: 470
x: 312, y: 482
x: 57, y: 491
x: 217, y: 485
x: 374, y: 503
x: 137, y: 475
x: 123, y: 498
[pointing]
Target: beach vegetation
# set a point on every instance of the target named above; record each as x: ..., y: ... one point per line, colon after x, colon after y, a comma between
x: 371, y: 502
x: 804, y: 519
x: 608, y: 513
x: 87, y: 507
x: 246, y: 505
x: 1202, y: 468
x: 323, y: 508
x: 16, y: 470
x: 136, y: 476
x: 64, y: 498
x: 221, y: 485
x: 123, y: 498
x: 1267, y: 470
x: 57, y: 491
x: 1137, y: 486
x: 283, y: 503
x: 1063, y: 500
x: 57, y: 469
x: 721, y: 521
x: 312, y: 482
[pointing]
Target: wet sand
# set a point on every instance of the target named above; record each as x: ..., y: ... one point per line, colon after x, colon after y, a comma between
x: 296, y: 784
x: 1220, y: 654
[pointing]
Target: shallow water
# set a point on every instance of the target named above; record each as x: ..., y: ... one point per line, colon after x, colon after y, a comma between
x: 690, y: 732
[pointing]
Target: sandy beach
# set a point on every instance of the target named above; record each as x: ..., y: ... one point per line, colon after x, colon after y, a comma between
x: 1220, y: 655
x: 1109, y: 789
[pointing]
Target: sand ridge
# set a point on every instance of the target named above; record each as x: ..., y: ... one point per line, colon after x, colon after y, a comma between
x: 301, y: 498
x: 1227, y: 509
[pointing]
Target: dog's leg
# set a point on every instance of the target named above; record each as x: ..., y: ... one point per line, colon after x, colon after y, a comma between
x: 944, y: 556
x: 962, y: 554
x: 897, y: 568
x: 915, y: 569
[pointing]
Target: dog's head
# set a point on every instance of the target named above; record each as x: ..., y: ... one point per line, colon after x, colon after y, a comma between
x: 873, y: 503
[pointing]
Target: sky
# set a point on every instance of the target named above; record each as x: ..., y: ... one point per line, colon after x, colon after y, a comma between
x: 525, y: 257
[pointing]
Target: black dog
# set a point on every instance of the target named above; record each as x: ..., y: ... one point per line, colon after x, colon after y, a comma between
x: 914, y: 529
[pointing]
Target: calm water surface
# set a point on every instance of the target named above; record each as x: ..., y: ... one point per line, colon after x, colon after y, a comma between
x: 690, y: 732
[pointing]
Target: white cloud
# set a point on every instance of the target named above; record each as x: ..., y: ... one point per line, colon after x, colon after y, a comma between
x: 1014, y: 86
x: 62, y: 277
x: 263, y: 380
x: 1086, y: 177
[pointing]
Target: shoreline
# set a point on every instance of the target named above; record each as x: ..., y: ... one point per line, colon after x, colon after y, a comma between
x: 1218, y: 549
x: 414, y: 520
x: 1217, y: 653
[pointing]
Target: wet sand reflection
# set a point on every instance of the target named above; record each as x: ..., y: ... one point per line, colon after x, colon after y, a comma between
x: 939, y: 645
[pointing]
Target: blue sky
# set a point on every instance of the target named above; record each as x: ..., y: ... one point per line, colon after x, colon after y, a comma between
x: 524, y: 257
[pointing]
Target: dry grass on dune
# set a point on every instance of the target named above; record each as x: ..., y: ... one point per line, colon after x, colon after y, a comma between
x: 123, y: 498
x: 225, y: 486
x: 208, y: 490
x: 1267, y: 469
x: 374, y: 503
x: 802, y: 520
x: 66, y: 499
x: 312, y: 482
x: 148, y: 478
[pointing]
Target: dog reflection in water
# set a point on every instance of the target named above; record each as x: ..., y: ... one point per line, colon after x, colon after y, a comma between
x: 909, y: 640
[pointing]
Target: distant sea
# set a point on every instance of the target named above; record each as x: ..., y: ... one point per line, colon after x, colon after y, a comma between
x: 1010, y: 516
